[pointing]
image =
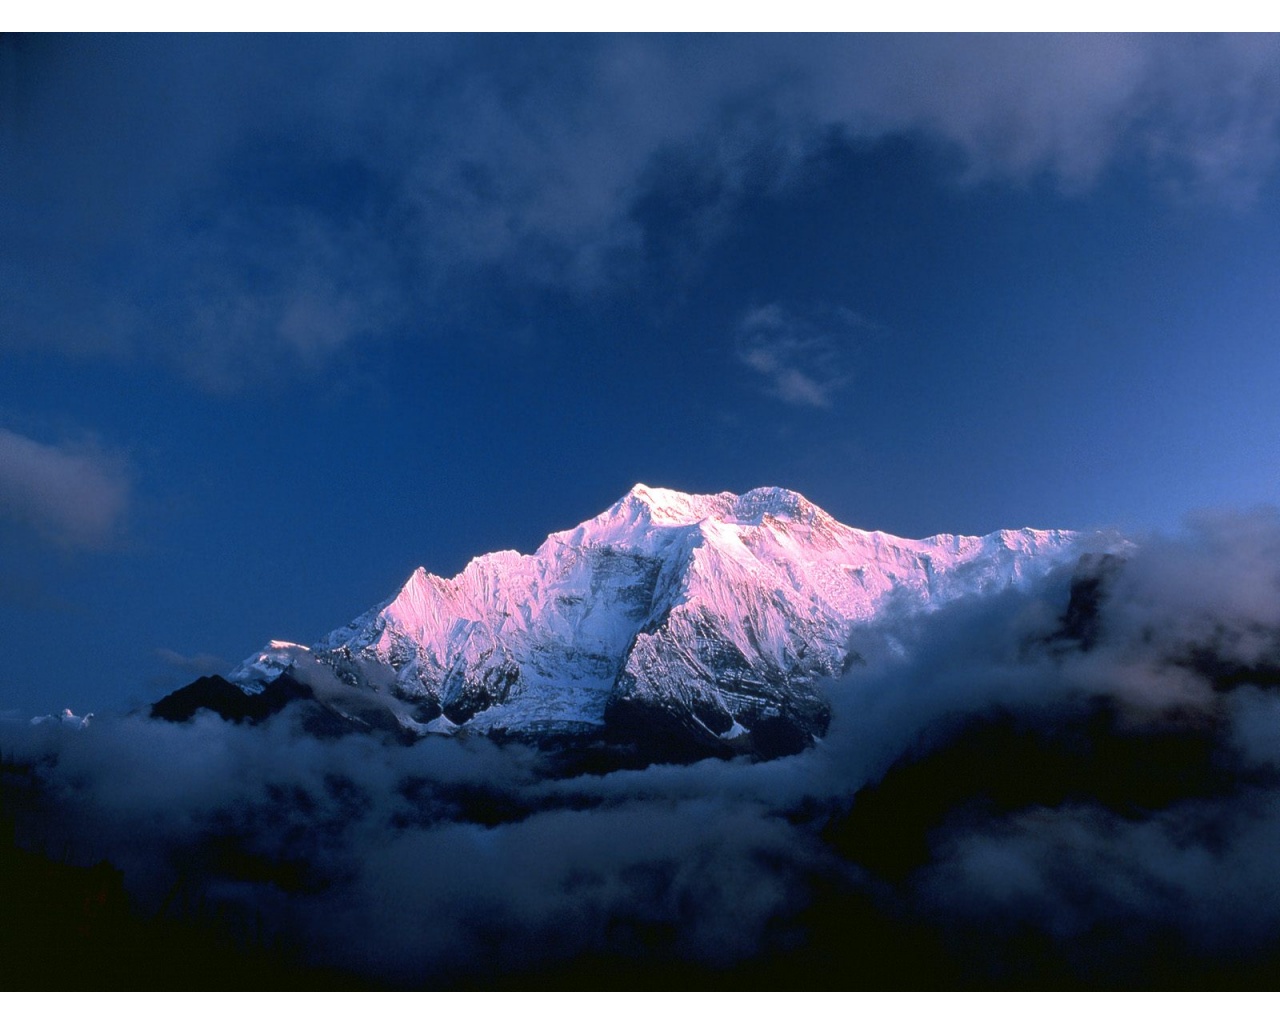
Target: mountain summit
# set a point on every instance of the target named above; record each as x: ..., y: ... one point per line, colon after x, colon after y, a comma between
x: 704, y: 621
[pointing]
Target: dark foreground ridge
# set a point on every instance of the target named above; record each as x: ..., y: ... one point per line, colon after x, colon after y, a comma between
x: 72, y: 927
x: 228, y: 701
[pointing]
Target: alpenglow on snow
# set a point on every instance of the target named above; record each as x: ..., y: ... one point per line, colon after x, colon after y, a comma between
x: 702, y: 622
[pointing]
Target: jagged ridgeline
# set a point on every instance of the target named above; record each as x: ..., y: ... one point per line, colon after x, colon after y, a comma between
x: 672, y: 624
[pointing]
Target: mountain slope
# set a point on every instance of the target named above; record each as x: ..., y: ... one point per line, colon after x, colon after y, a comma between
x: 707, y: 619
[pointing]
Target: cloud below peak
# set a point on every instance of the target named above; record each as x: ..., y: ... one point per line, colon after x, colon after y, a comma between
x: 989, y: 778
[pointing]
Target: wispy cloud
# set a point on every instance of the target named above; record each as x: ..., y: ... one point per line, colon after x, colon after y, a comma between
x: 284, y: 294
x: 73, y: 495
x: 1197, y: 112
x: 317, y: 193
x: 800, y: 360
x: 193, y: 664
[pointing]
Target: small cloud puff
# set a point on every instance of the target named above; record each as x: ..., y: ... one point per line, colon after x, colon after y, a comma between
x: 800, y: 360
x: 72, y: 495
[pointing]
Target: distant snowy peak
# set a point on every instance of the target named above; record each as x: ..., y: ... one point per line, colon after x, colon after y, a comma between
x: 267, y: 665
x: 675, y: 508
x: 712, y: 615
x: 68, y: 718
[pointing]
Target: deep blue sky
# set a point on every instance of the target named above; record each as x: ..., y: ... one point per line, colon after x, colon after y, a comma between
x: 283, y: 318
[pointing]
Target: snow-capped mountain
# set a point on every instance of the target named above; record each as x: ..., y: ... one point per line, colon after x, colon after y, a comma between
x: 707, y: 619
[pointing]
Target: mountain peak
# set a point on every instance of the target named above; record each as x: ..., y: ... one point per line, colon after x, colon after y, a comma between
x: 714, y: 615
x: 752, y: 507
x: 662, y: 506
x: 665, y: 506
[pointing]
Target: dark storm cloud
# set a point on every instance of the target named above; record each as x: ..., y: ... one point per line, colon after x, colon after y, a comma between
x: 73, y: 495
x: 247, y: 207
x: 992, y: 777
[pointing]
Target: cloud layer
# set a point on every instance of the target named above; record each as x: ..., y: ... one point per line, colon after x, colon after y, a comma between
x: 1009, y: 795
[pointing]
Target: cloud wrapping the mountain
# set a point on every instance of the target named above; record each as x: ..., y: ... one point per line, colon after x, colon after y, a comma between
x: 1119, y: 800
x: 997, y: 802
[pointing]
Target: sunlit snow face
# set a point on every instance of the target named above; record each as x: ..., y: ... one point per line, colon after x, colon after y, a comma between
x: 716, y: 613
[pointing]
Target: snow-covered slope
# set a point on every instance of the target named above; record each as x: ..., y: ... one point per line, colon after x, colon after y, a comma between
x: 715, y: 615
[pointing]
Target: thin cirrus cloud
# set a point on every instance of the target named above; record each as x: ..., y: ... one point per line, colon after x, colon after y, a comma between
x: 326, y: 192
x: 799, y: 360
x: 74, y: 496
